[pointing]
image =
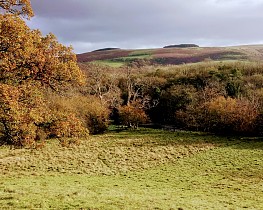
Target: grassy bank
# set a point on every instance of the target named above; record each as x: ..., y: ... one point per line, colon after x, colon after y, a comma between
x: 146, y: 169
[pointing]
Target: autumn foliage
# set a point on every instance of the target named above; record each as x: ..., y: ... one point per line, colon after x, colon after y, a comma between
x: 44, y: 93
x: 17, y: 7
x: 22, y: 109
x: 76, y: 115
x: 228, y: 114
x: 32, y: 65
x: 132, y: 116
x: 27, y: 55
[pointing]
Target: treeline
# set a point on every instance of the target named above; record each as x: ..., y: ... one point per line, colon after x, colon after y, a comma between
x: 225, y: 98
x: 220, y: 98
x: 181, y: 46
x: 106, y: 49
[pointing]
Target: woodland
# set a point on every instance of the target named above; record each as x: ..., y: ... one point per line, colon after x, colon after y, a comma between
x: 46, y: 93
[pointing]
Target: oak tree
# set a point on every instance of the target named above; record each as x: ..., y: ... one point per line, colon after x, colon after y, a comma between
x: 30, y: 65
x: 27, y: 55
x: 17, y: 7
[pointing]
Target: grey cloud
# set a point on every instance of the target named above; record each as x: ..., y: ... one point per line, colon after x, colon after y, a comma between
x: 92, y: 24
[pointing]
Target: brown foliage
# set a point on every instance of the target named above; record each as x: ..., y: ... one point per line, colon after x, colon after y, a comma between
x: 237, y: 115
x: 27, y: 55
x: 222, y: 115
x: 30, y: 64
x: 88, y: 113
x: 132, y: 116
x: 17, y: 7
x: 63, y: 120
x: 66, y: 125
x: 21, y: 109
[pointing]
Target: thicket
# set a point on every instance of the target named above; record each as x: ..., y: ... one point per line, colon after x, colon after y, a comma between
x: 225, y: 98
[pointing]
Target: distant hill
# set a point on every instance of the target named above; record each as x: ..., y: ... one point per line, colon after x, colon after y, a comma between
x: 181, y: 46
x: 174, y: 55
x: 102, y: 55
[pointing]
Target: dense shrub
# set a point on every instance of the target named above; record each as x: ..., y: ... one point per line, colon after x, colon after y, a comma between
x: 132, y: 116
x: 222, y: 115
x: 66, y: 125
x: 231, y: 115
x: 96, y: 116
x: 88, y: 111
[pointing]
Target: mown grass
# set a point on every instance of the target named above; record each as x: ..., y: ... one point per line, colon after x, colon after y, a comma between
x: 145, y: 169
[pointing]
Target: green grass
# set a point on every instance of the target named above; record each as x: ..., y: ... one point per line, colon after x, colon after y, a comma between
x: 111, y: 63
x: 119, y: 62
x: 145, y: 169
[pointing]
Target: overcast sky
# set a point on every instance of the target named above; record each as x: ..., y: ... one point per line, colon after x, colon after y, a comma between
x: 92, y: 24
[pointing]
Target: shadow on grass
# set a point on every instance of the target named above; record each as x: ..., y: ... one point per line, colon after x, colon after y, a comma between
x: 179, y: 137
x: 252, y: 143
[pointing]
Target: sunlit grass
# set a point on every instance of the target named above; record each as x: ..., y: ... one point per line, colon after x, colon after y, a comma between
x: 145, y: 169
x: 115, y: 64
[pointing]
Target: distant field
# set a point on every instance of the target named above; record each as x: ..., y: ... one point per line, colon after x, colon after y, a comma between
x: 111, y: 63
x: 144, y: 169
x: 176, y: 55
x: 120, y: 61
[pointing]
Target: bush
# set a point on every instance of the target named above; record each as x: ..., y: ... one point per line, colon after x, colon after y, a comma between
x: 66, y: 125
x: 230, y: 115
x: 96, y: 116
x: 132, y: 116
x: 88, y: 112
x: 221, y: 115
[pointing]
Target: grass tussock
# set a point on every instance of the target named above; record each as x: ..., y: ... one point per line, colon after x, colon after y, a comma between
x: 108, y: 154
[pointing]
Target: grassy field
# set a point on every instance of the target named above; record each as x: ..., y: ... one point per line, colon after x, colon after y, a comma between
x: 144, y: 169
x: 120, y: 61
x: 111, y: 63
